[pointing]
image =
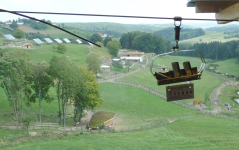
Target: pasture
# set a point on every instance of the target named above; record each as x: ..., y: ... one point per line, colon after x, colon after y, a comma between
x: 136, y: 108
x: 210, y: 36
x: 227, y: 95
x: 229, y: 66
x: 203, y: 132
x: 75, y: 53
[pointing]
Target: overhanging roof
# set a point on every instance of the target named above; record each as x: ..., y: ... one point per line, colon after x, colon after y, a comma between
x: 224, y: 9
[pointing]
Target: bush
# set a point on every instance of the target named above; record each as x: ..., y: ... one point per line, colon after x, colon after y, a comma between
x: 61, y: 48
x: 53, y: 47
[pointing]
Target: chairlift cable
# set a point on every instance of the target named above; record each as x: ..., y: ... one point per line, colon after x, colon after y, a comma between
x: 16, y: 13
x: 101, y: 15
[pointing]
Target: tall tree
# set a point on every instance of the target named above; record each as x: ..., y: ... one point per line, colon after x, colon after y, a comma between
x: 87, y: 94
x: 15, y: 70
x: 42, y: 83
x: 94, y: 63
x: 113, y: 48
x: 65, y: 77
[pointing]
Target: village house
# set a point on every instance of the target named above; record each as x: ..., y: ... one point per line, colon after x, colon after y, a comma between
x: 105, y: 68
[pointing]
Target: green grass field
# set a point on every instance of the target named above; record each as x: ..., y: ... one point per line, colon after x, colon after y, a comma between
x: 230, y: 66
x: 138, y: 108
x: 209, y: 36
x: 75, y: 53
x: 203, y: 132
x: 227, y: 95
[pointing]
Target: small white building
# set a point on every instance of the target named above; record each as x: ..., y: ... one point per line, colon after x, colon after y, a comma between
x: 105, y: 68
x: 133, y: 59
x: 113, y: 60
x: 20, y: 23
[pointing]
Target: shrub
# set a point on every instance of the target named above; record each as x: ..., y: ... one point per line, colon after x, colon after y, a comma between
x: 61, y: 48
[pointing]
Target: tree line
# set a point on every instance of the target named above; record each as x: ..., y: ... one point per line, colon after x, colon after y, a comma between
x: 25, y: 82
x: 213, y: 50
x: 185, y: 33
x: 116, y: 29
x: 146, y: 42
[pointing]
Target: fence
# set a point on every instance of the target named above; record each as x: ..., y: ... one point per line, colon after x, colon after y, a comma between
x: 38, y: 125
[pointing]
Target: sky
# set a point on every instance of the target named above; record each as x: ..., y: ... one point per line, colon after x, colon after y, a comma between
x: 153, y: 8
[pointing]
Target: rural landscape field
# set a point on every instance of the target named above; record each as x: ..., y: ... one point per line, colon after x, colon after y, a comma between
x: 77, y: 95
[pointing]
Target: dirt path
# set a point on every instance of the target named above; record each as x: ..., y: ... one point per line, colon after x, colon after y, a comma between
x: 216, y: 107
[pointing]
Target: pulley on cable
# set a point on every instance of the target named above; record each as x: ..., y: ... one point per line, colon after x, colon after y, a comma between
x: 183, y: 91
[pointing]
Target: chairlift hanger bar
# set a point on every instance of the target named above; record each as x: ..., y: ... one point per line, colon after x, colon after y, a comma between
x: 17, y: 13
x: 101, y: 15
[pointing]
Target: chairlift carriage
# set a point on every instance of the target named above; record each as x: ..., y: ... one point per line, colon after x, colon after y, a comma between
x: 184, y: 91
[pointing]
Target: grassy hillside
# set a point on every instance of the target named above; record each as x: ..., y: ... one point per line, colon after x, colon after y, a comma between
x: 136, y: 107
x: 56, y: 33
x: 75, y: 53
x: 229, y: 66
x: 209, y: 36
x: 205, y: 132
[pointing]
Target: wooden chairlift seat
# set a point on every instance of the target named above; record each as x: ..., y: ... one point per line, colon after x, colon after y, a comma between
x: 178, y: 75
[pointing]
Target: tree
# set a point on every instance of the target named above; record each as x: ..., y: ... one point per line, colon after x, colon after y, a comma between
x: 95, y: 38
x: 128, y: 64
x: 237, y: 52
x: 26, y: 120
x: 117, y: 64
x: 106, y: 40
x: 14, y: 25
x: 113, y: 48
x: 1, y: 34
x: 94, y: 63
x: 87, y: 94
x: 42, y: 83
x: 101, y: 44
x: 15, y: 71
x: 61, y: 48
x: 66, y: 79
x: 18, y: 34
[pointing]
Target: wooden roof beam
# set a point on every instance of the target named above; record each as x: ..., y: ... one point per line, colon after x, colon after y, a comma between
x: 213, y: 6
x: 229, y: 13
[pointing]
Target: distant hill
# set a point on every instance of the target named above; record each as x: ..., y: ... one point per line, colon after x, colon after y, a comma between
x: 229, y: 28
x: 116, y: 29
x: 185, y: 33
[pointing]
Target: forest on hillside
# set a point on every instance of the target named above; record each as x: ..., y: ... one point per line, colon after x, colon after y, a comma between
x: 115, y: 29
x: 145, y: 42
x: 213, y: 50
x: 185, y: 33
x: 224, y: 29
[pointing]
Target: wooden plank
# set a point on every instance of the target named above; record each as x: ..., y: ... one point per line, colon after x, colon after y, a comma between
x: 213, y: 6
x: 228, y: 13
x: 180, y: 92
x: 179, y: 79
